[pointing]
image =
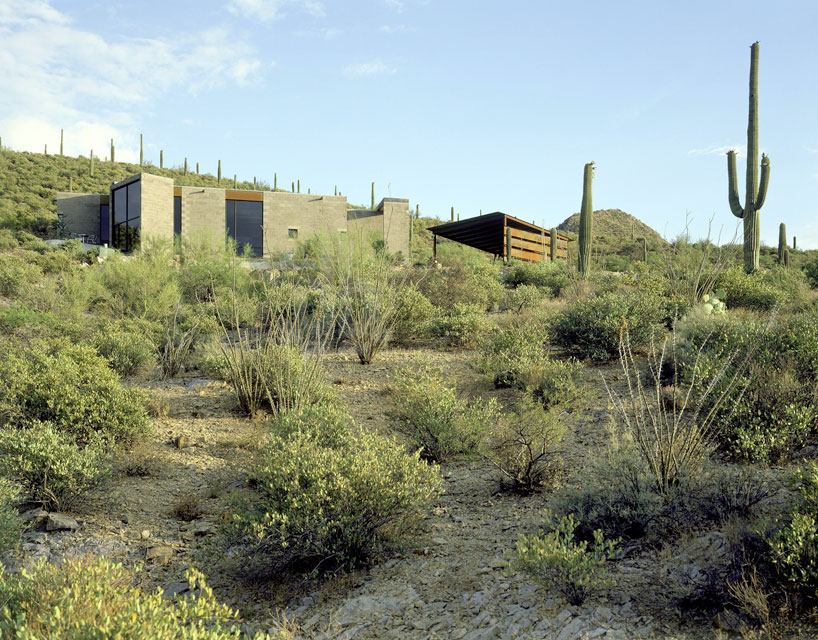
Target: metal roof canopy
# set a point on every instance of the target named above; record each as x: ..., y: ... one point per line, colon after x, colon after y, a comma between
x: 493, y: 232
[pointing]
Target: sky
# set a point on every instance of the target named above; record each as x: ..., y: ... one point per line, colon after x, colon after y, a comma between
x: 476, y: 104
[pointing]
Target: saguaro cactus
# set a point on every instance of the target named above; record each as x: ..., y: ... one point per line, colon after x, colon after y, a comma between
x: 220, y: 172
x: 141, y: 151
x: 275, y: 182
x: 585, y: 221
x: 235, y: 181
x: 298, y: 185
x: 793, y: 243
x: 185, y: 166
x: 756, y: 191
x: 161, y: 159
x: 645, y: 250
x: 373, y: 196
x: 91, y: 169
x: 452, y: 214
x: 554, y: 239
x: 112, y: 151
x: 197, y: 168
x: 45, y: 149
x: 70, y: 183
x: 782, y: 242
x: 61, y: 140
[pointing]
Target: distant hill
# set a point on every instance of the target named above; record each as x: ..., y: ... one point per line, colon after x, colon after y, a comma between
x: 614, y: 225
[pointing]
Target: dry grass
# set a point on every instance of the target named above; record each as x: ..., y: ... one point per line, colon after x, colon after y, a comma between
x: 188, y: 507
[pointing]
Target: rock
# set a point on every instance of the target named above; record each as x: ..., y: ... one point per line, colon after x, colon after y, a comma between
x: 729, y: 620
x: 61, y: 522
x: 126, y: 518
x: 182, y: 442
x: 175, y: 589
x: 159, y: 555
x: 203, y: 528
x: 35, y: 537
x: 145, y: 534
x: 490, y: 633
x: 35, y: 518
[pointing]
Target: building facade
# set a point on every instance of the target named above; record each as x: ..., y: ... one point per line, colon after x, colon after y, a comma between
x: 262, y: 223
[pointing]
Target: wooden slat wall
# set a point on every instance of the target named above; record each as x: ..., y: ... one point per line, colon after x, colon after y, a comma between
x: 526, y: 245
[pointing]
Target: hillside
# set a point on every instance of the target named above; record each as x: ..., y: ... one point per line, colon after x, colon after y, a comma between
x: 614, y: 224
x: 29, y: 182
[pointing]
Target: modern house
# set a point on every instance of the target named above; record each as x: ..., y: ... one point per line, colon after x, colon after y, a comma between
x: 265, y: 222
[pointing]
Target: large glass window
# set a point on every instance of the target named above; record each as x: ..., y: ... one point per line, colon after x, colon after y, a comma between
x: 177, y: 215
x: 127, y: 222
x: 244, y: 225
x: 104, y: 224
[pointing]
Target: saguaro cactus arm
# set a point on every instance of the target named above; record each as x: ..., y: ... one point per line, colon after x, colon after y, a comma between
x: 732, y: 185
x: 765, y: 180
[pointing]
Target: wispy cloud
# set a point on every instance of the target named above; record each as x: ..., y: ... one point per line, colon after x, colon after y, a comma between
x: 56, y: 74
x: 268, y: 10
x: 401, y: 28
x: 397, y: 5
x: 326, y: 33
x: 741, y: 149
x: 376, y: 67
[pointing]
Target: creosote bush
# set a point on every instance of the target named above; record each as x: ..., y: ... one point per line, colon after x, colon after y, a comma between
x: 590, y: 327
x: 11, y: 527
x: 461, y: 325
x: 549, y: 277
x: 557, y: 560
x: 333, y: 501
x: 95, y: 598
x: 439, y: 423
x: 127, y: 346
x: 506, y: 354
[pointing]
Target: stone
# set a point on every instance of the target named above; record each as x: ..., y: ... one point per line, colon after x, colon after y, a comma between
x: 175, y: 589
x: 61, y: 522
x: 145, y: 534
x: 35, y: 537
x: 203, y: 528
x: 160, y: 555
x: 182, y: 442
x: 729, y: 620
x: 35, y: 518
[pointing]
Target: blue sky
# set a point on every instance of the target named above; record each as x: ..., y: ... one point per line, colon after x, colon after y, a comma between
x: 474, y: 104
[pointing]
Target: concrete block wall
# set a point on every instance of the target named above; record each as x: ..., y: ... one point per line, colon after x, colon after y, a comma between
x: 203, y: 215
x: 309, y: 213
x: 396, y: 221
x: 80, y: 211
x: 157, y: 206
x: 364, y: 225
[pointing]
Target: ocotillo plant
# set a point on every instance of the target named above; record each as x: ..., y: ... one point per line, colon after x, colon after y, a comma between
x: 61, y: 140
x: 112, y: 151
x: 585, y: 221
x: 141, y: 151
x: 756, y: 191
x: 91, y: 170
x: 782, y: 242
x: 553, y: 244
x: 219, y: 178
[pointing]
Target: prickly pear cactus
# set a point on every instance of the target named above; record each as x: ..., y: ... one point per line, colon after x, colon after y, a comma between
x: 712, y: 303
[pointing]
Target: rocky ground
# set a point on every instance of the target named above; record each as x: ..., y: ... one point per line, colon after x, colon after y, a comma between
x: 451, y: 582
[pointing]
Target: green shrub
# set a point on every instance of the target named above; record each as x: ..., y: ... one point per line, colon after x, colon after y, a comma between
x: 553, y: 381
x: 7, y: 240
x: 326, y: 421
x: 95, y: 598
x: 51, y: 465
x: 794, y: 547
x: 475, y: 284
x: 335, y: 504
x: 523, y: 446
x: 507, y: 353
x: 525, y: 296
x: 550, y: 276
x: 439, y: 423
x: 127, y: 346
x: 461, y: 325
x: 556, y: 560
x: 414, y: 316
x: 747, y: 290
x: 16, y: 275
x: 811, y: 273
x: 762, y: 416
x: 591, y: 327
x: 11, y: 527
x: 71, y: 386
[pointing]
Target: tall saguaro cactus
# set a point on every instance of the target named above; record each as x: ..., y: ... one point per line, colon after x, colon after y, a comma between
x: 219, y: 177
x: 141, y: 151
x: 554, y: 239
x: 782, y: 242
x: 373, y: 196
x: 756, y: 191
x: 91, y: 166
x: 161, y: 159
x: 61, y: 140
x: 112, y: 151
x: 585, y: 221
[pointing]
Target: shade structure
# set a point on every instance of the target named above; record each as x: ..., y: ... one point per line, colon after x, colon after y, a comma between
x: 503, y: 235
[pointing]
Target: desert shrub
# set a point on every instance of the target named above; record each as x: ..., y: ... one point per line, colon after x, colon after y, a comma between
x: 762, y: 416
x: 335, y: 504
x: 558, y: 561
x: 414, y: 315
x: 811, y: 273
x: 95, y: 598
x: 16, y: 275
x: 126, y: 345
x: 55, y: 261
x: 591, y: 328
x: 794, y: 547
x: 507, y: 353
x: 550, y: 276
x: 476, y: 284
x: 524, y: 446
x: 440, y: 424
x: 236, y: 308
x: 11, y: 527
x: 326, y: 421
x: 204, y: 268
x: 461, y: 325
x: 7, y: 240
x: 52, y: 466
x: 524, y: 296
x: 181, y: 329
x: 553, y: 381
x: 30, y: 242
x: 18, y: 319
x: 71, y: 386
x: 791, y: 285
x: 748, y: 290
